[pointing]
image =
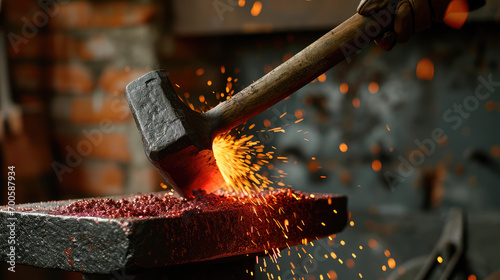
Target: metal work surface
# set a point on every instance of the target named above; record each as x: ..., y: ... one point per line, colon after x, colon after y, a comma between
x: 104, y: 245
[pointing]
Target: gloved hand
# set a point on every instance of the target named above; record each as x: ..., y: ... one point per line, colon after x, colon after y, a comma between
x: 410, y: 16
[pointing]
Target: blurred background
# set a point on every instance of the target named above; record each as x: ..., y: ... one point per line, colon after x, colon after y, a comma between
x: 405, y: 134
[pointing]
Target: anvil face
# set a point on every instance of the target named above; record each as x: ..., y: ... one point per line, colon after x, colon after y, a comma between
x: 197, y: 229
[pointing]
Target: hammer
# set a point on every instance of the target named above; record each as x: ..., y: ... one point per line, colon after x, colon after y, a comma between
x: 178, y: 140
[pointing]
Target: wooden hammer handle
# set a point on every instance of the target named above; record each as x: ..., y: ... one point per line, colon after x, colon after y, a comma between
x: 305, y: 66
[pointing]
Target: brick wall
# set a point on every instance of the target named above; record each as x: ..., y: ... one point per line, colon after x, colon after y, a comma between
x: 70, y: 62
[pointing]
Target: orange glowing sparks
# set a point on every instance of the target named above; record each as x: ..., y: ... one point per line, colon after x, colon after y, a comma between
x: 425, y: 69
x: 199, y: 72
x: 356, y: 102
x: 322, y: 78
x: 343, y: 147
x: 267, y: 123
x: 344, y: 88
x: 209, y: 82
x: 392, y: 263
x: 387, y: 253
x: 332, y: 275
x: 472, y: 277
x: 376, y: 165
x: 456, y: 14
x: 440, y: 259
x: 372, y: 243
x: 495, y: 151
x: 201, y: 98
x: 256, y: 8
x: 299, y: 114
x: 373, y: 87
x: 241, y: 3
x: 240, y: 173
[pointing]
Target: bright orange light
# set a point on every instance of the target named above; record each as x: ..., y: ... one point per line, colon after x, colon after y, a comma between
x: 343, y: 147
x: 392, y: 263
x: 223, y: 69
x: 490, y: 105
x: 472, y: 277
x: 209, y: 82
x: 440, y: 259
x: 425, y: 69
x: 373, y: 87
x: 256, y: 8
x: 202, y: 98
x: 456, y: 14
x: 372, y: 243
x: 241, y: 3
x: 376, y: 165
x: 199, y: 72
x: 384, y: 268
x: 287, y: 56
x: 495, y: 151
x: 239, y: 172
x: 322, y: 78
x: 344, y: 88
x: 267, y: 123
x: 299, y: 114
x: 355, y: 102
x: 387, y: 253
x: 332, y: 275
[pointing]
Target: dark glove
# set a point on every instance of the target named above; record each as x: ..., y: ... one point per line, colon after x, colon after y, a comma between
x: 410, y: 16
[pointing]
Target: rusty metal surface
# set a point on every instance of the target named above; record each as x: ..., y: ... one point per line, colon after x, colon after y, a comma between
x: 104, y: 245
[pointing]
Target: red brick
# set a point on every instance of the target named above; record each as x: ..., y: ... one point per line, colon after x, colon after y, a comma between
x: 31, y: 49
x: 27, y: 76
x: 74, y: 14
x: 85, y: 14
x: 114, y: 109
x: 114, y: 80
x: 16, y: 10
x: 70, y: 78
x: 93, y: 179
x: 62, y: 47
x: 108, y: 146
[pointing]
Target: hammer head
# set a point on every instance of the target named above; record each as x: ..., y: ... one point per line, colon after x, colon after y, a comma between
x: 176, y: 139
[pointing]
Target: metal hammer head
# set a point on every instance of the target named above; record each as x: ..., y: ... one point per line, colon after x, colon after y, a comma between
x: 176, y: 139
